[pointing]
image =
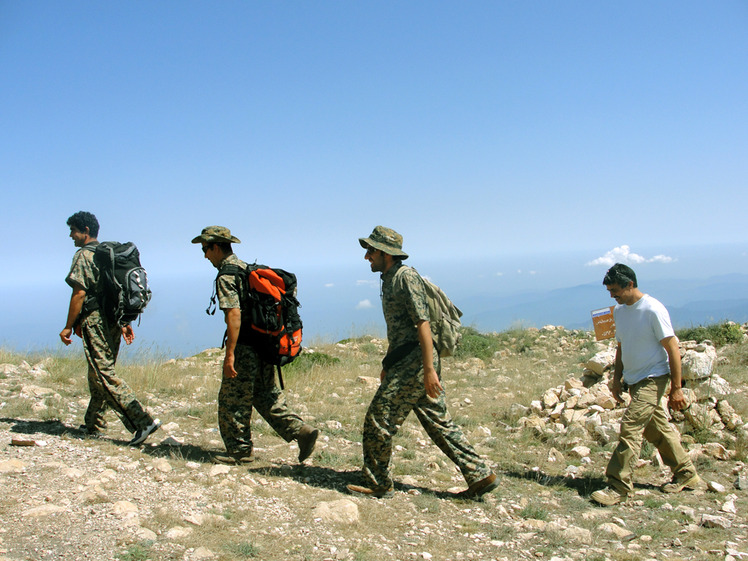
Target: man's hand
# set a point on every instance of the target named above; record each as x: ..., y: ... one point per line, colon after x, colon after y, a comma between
x: 228, y: 366
x: 382, y: 374
x: 77, y: 298
x: 128, y: 334
x: 677, y: 400
x: 616, y: 387
x: 66, y: 335
x: 431, y: 382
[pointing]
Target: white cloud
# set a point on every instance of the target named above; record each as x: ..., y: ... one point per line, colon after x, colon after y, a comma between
x: 364, y: 305
x: 367, y: 283
x: 623, y: 254
x: 329, y: 285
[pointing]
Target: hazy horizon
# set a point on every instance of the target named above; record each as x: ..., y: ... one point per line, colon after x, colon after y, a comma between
x: 343, y: 301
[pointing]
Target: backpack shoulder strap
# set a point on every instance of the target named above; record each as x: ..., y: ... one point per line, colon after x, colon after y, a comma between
x: 401, y: 271
x: 228, y: 269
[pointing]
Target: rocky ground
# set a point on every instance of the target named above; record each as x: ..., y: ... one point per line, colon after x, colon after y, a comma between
x: 68, y: 496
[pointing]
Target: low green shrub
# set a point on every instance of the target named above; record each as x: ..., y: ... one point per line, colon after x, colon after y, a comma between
x: 476, y: 344
x: 306, y: 361
x: 720, y: 334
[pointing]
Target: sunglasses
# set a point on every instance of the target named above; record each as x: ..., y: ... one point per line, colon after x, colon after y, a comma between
x: 370, y: 250
x: 205, y: 248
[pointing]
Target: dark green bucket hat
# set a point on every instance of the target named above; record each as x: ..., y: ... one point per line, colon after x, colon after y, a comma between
x: 213, y: 234
x: 385, y: 239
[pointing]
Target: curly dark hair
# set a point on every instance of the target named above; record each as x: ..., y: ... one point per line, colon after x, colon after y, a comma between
x: 621, y: 275
x: 82, y: 220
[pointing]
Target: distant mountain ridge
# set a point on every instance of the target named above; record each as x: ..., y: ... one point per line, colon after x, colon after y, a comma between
x: 175, y: 322
x: 690, y: 302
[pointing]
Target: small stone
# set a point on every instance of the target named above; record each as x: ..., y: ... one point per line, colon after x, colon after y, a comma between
x: 178, y: 532
x: 202, y: 552
x: 580, y: 451
x: 729, y: 507
x: 711, y: 521
x: 44, y: 510
x: 218, y: 470
x: 12, y: 466
x: 614, y: 529
x: 342, y: 511
x: 162, y: 465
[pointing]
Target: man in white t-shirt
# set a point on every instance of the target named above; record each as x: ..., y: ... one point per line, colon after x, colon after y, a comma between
x: 647, y: 362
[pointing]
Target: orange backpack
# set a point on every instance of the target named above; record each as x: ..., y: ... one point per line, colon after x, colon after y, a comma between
x: 271, y: 324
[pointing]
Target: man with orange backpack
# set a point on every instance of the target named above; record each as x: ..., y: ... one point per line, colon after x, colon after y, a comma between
x: 248, y: 372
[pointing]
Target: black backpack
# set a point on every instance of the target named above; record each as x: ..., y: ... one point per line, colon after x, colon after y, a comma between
x: 271, y: 324
x: 123, y: 291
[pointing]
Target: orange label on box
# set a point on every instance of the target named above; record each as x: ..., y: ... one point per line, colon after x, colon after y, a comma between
x: 604, y: 324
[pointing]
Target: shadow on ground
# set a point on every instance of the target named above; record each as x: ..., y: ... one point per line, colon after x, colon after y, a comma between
x: 336, y: 480
x: 585, y: 485
x: 55, y: 427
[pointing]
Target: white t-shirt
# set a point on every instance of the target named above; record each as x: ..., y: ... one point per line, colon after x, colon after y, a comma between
x: 639, y: 329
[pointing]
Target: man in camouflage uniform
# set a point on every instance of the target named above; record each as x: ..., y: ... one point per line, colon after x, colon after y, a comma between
x: 410, y: 377
x: 247, y: 380
x: 101, y: 339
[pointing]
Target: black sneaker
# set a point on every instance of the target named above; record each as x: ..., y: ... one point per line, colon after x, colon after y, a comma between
x: 142, y: 434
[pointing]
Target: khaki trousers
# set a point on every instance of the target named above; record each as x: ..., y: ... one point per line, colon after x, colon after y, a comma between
x: 646, y: 418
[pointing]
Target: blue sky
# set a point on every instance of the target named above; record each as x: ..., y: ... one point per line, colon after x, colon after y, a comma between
x: 494, y: 131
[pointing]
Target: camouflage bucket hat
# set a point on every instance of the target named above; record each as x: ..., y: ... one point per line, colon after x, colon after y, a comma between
x: 385, y: 239
x: 213, y: 234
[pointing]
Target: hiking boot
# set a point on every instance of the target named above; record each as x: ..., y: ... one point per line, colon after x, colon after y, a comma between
x: 307, y: 438
x: 676, y: 486
x: 235, y: 458
x: 481, y: 487
x: 142, y: 434
x: 377, y: 492
x: 609, y: 496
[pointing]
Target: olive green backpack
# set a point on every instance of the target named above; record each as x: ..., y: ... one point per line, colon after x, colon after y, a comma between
x: 444, y: 318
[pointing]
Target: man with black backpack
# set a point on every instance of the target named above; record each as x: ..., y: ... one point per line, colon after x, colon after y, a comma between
x: 410, y: 377
x: 248, y: 372
x: 88, y: 318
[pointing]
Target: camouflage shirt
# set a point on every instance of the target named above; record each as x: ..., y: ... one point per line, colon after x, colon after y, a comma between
x: 83, y: 271
x: 226, y: 289
x: 85, y: 274
x: 404, y: 304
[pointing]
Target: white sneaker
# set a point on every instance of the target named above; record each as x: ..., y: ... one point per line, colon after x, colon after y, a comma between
x: 142, y: 434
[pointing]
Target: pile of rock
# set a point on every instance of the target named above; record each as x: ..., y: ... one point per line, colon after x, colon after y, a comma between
x: 13, y: 382
x: 583, y: 409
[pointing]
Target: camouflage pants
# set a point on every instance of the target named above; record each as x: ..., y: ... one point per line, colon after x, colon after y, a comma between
x: 101, y: 346
x: 646, y: 418
x: 254, y: 386
x: 401, y: 391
